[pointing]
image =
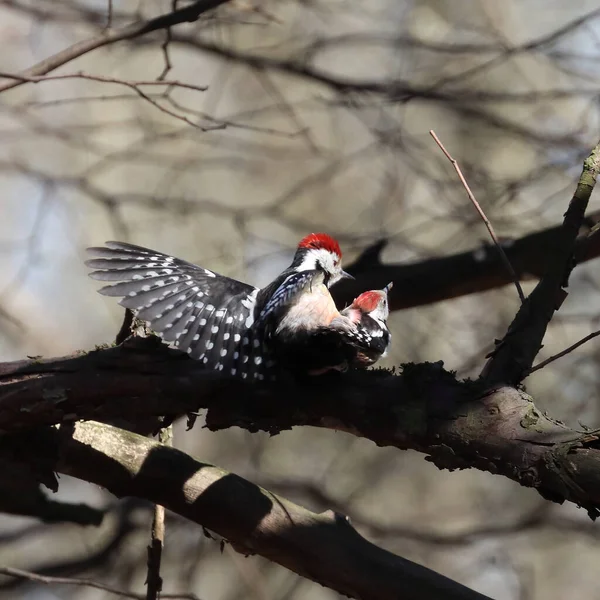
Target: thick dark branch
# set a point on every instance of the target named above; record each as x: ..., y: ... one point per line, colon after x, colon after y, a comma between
x: 459, y: 425
x: 516, y: 352
x: 446, y: 277
x: 322, y: 547
x: 187, y: 14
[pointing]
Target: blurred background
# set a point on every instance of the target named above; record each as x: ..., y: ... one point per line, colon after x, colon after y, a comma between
x: 315, y: 117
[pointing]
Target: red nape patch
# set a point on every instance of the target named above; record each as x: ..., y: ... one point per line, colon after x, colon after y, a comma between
x: 321, y: 240
x: 368, y: 301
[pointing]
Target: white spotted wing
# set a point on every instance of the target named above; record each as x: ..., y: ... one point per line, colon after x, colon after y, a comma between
x: 205, y: 314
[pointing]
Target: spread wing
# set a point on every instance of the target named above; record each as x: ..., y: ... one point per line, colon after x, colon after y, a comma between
x: 203, y: 313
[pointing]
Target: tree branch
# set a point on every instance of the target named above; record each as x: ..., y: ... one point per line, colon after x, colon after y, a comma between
x: 189, y: 13
x: 457, y: 424
x: 19, y: 496
x: 456, y: 275
x: 516, y: 352
x: 322, y: 547
x: 564, y: 352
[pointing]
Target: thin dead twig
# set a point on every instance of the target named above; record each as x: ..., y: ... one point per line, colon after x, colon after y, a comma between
x: 157, y: 540
x: 566, y: 351
x: 133, y: 85
x: 481, y: 214
x: 103, y: 79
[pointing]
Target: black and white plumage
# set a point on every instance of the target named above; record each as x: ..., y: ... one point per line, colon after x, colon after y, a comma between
x: 225, y: 324
x: 372, y: 338
x: 358, y: 338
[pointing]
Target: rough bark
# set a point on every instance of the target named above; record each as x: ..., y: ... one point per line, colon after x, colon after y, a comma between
x: 457, y: 424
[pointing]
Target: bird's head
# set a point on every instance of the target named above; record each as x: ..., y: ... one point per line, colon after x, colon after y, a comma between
x: 319, y: 251
x: 374, y: 303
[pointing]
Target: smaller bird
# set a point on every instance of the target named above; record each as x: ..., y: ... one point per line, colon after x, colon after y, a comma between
x: 357, y: 346
x: 369, y: 312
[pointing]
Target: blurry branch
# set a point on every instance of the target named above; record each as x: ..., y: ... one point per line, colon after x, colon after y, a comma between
x: 515, y: 353
x: 55, y: 12
x: 322, y: 547
x: 351, y: 91
x: 109, y: 14
x: 457, y: 424
x: 484, y: 218
x: 542, y: 43
x: 20, y: 494
x: 352, y: 40
x: 10, y: 319
x: 416, y: 284
x: 542, y: 517
x: 397, y: 90
x: 29, y: 576
x: 120, y: 523
x: 190, y: 13
x: 566, y: 351
x: 442, y: 278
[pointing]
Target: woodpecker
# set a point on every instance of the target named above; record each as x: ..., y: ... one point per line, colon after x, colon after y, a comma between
x: 227, y: 325
x: 371, y: 339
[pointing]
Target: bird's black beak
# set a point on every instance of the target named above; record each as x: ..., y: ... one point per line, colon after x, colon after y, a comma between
x: 345, y: 275
x: 388, y: 287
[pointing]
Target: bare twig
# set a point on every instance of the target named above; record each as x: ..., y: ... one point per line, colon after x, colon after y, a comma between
x: 130, y: 83
x: 157, y: 542
x: 189, y: 13
x: 133, y: 85
x: 12, y: 572
x: 566, y: 351
x: 477, y: 206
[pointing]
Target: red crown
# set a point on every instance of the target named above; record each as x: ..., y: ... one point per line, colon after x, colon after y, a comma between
x: 368, y: 301
x: 321, y: 240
